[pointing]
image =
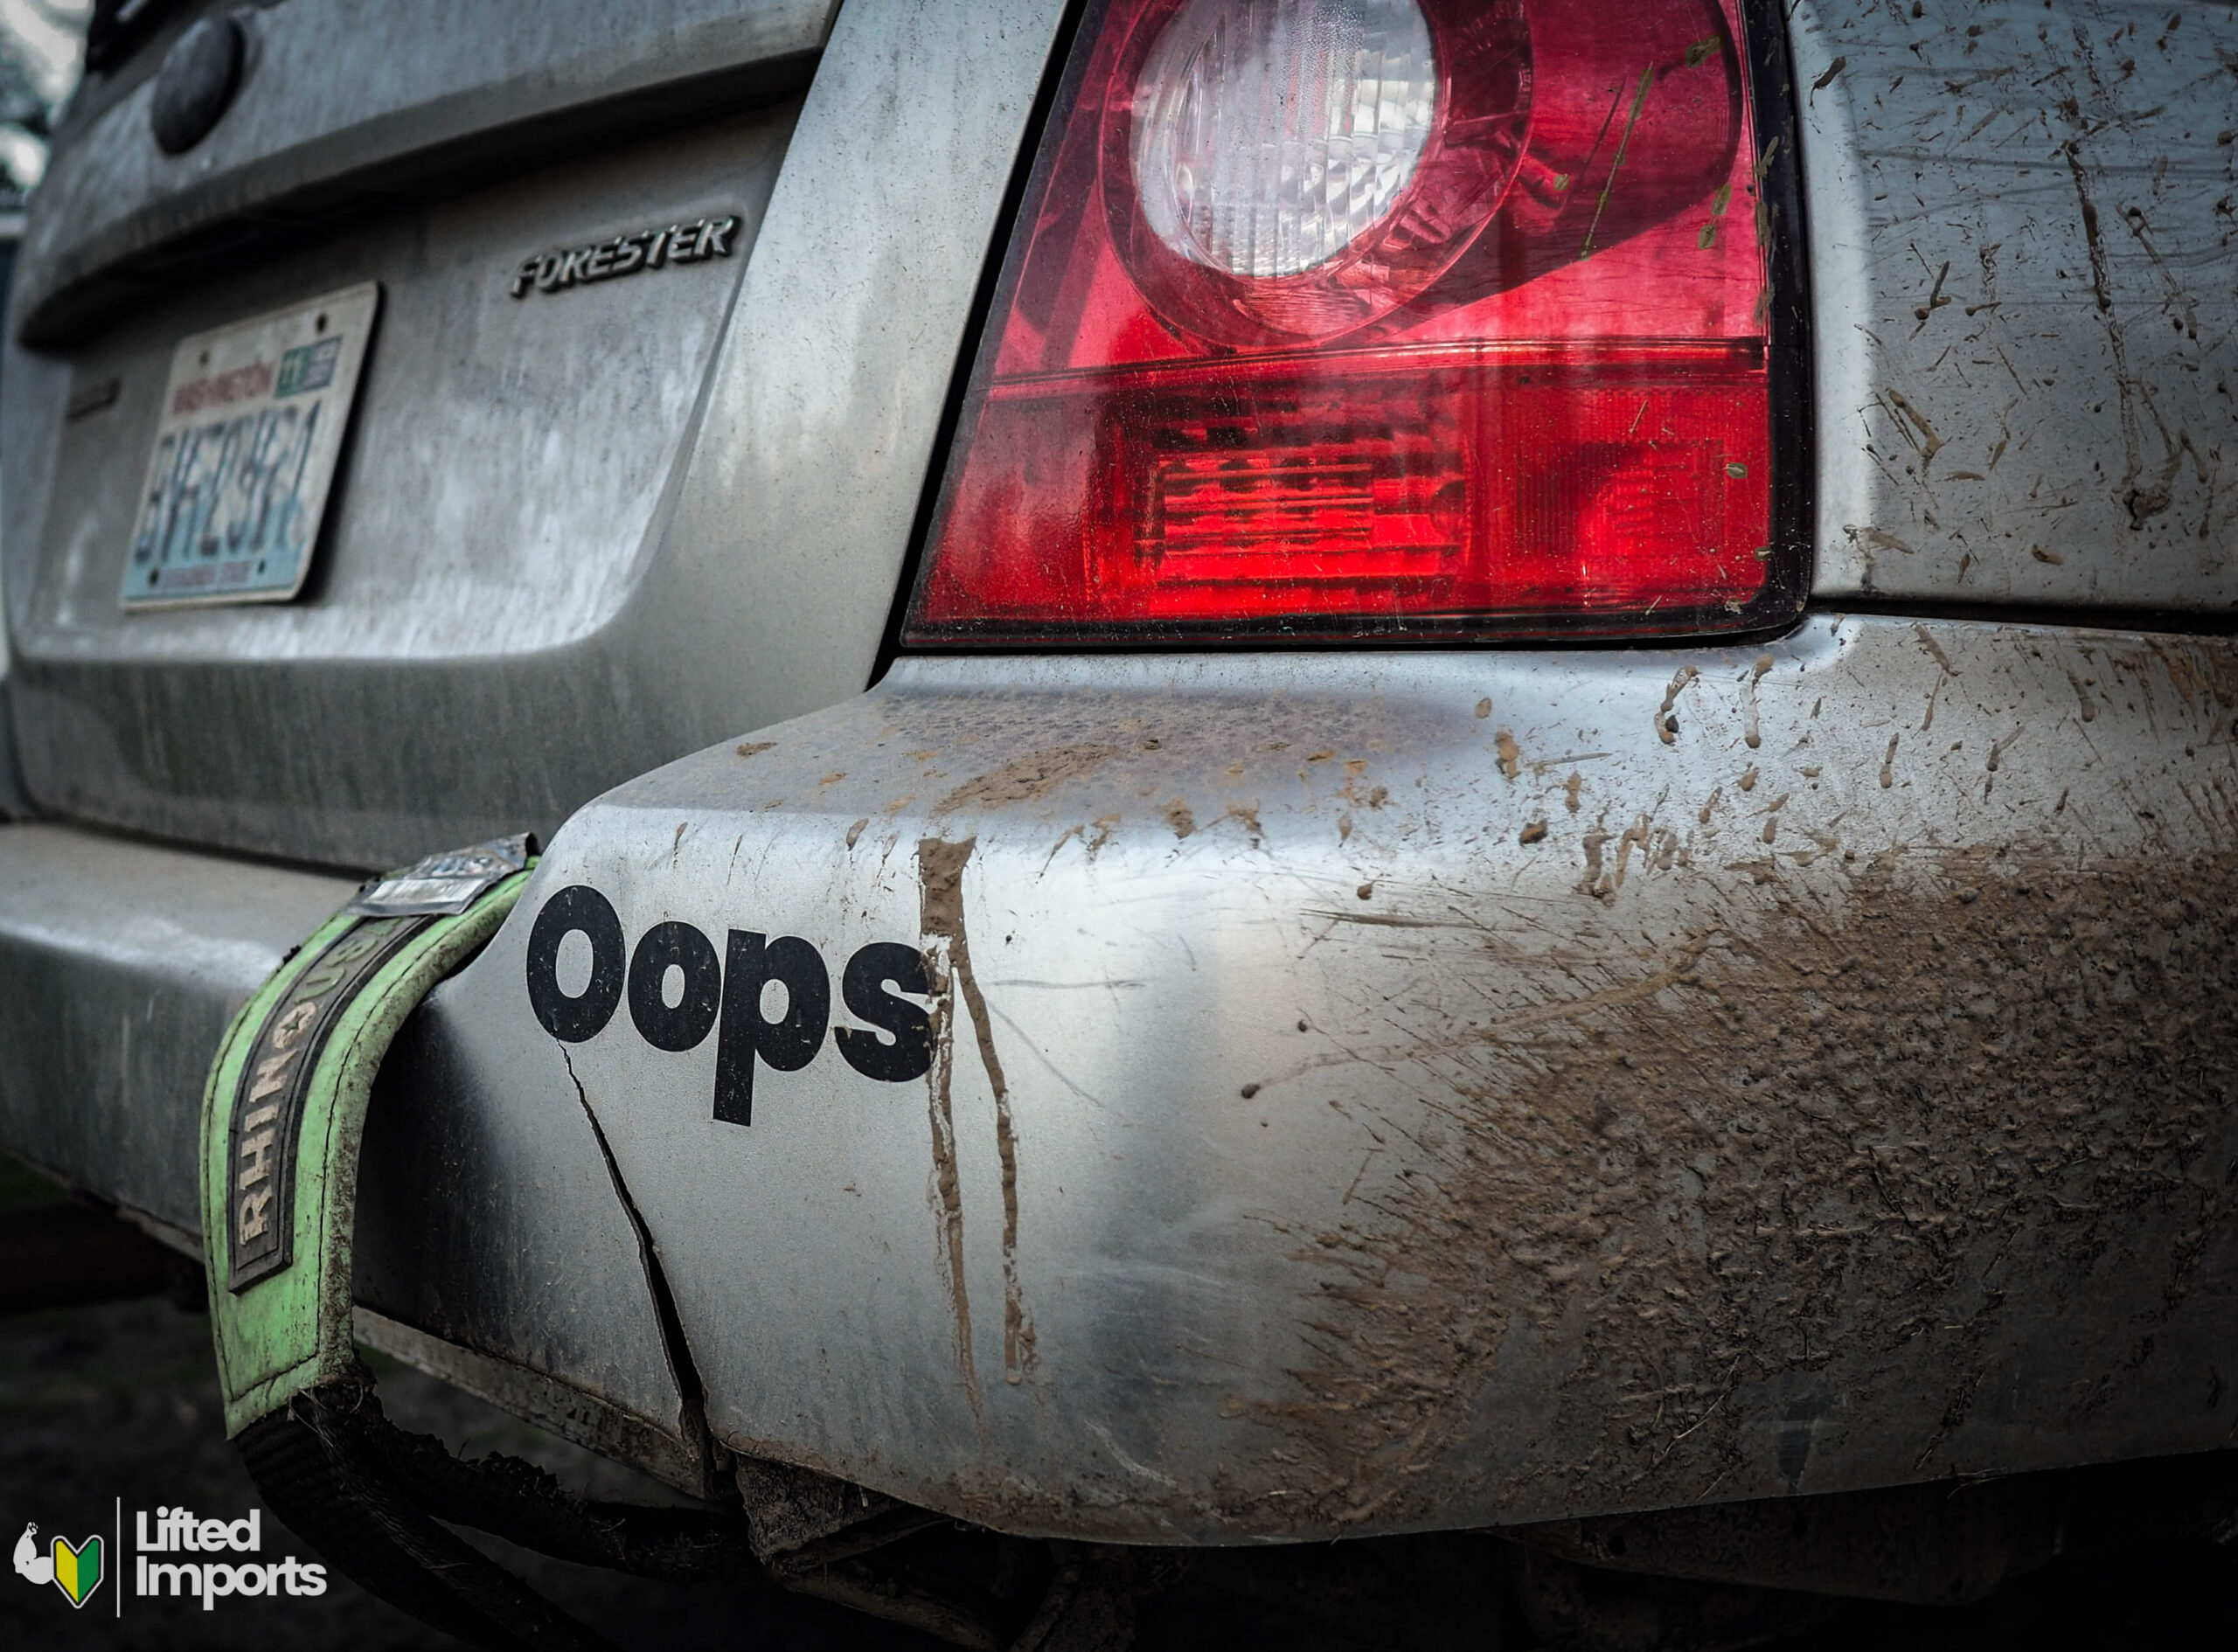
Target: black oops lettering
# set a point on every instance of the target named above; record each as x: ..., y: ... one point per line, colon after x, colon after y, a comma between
x: 578, y: 909
x: 723, y: 995
x: 663, y: 947
x: 788, y: 1044
x: 864, y: 987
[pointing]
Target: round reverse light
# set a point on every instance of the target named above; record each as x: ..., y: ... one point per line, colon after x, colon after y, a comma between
x: 1288, y: 171
x: 1271, y: 135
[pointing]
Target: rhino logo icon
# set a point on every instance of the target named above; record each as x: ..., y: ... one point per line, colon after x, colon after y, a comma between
x: 75, y: 1569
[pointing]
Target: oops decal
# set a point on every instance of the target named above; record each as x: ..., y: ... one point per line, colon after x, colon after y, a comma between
x: 722, y: 994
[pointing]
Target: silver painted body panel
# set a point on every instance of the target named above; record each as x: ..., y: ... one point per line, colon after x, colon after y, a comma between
x: 445, y: 594
x: 1448, y: 1090
x: 794, y: 517
x: 2021, y: 238
x: 536, y: 542
x: 493, y: 1224
x: 1838, y: 1095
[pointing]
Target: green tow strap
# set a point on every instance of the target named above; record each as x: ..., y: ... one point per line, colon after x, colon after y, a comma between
x: 283, y: 1117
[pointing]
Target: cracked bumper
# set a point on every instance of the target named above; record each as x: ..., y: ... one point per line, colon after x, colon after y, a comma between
x: 1365, y: 1094
x: 1334, y: 1093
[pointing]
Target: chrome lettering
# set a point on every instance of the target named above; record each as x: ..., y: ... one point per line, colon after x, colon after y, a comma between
x: 628, y: 254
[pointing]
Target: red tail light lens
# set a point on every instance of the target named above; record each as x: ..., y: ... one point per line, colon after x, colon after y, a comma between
x: 1348, y: 319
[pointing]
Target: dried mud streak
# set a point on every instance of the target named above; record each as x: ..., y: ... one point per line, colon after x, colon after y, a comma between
x: 1946, y: 673
x: 1027, y: 779
x: 942, y: 868
x: 1751, y: 734
x: 1664, y: 731
x: 1910, y: 410
x: 2142, y: 502
x: 1790, y: 1147
x: 1511, y: 754
x: 941, y: 912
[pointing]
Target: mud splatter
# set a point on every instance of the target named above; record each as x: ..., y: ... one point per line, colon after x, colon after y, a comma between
x: 1027, y: 779
x: 2141, y: 502
x: 1623, y: 143
x: 1667, y: 725
x: 1876, y: 536
x: 2093, y: 236
x: 1749, y: 735
x: 1947, y: 673
x: 1931, y: 444
x: 941, y: 866
x: 1511, y: 754
x: 1935, y: 300
x: 1753, y: 1173
x: 1593, y: 884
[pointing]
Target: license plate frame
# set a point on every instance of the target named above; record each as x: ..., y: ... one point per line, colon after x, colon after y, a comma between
x: 242, y: 465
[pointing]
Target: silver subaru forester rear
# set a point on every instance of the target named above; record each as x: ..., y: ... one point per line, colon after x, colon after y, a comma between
x: 1309, y: 769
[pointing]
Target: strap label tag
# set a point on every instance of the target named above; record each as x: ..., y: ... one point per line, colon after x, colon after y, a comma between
x: 269, y: 1105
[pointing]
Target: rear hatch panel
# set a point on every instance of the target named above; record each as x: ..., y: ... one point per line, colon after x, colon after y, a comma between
x: 577, y: 533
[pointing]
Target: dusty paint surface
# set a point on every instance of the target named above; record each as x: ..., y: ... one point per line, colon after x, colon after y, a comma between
x: 1793, y: 1190
x: 1523, y: 1094
x: 2022, y: 221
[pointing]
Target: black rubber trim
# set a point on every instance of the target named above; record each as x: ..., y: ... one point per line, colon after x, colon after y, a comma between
x: 1794, y: 365
x: 368, y: 1495
x: 310, y: 1463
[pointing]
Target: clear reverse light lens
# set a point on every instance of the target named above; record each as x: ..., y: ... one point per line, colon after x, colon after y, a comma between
x: 1269, y: 137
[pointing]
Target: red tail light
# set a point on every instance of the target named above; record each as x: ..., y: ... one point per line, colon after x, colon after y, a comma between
x: 1345, y: 318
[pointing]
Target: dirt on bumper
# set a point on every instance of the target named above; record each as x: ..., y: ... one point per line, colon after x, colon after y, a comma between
x: 1370, y: 1094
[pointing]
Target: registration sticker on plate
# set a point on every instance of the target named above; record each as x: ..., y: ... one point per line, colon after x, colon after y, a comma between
x: 253, y: 421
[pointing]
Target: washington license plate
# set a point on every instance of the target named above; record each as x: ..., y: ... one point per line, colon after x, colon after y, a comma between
x: 253, y: 421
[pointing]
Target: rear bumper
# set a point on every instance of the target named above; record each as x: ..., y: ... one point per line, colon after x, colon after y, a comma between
x: 1378, y: 1092
x: 120, y: 963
